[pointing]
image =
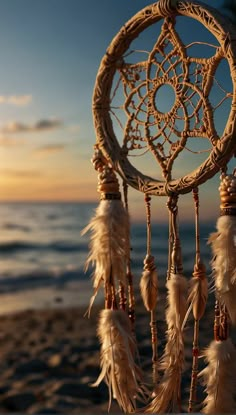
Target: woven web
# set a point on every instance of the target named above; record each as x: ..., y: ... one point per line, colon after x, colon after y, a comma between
x: 166, y: 133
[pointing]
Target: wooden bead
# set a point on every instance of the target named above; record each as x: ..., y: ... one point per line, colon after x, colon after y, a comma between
x: 231, y: 189
x: 223, y: 193
x: 229, y: 199
x: 108, y: 187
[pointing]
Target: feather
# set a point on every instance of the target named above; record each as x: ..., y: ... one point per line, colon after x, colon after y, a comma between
x: 118, y: 352
x: 223, y: 245
x: 177, y: 289
x: 167, y: 393
x: 219, y: 377
x: 198, y: 296
x: 109, y: 246
x: 149, y: 284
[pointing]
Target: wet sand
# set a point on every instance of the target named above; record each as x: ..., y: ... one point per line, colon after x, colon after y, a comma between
x: 50, y: 356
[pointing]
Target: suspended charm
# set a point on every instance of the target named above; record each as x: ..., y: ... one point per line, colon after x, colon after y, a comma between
x: 219, y: 375
x: 223, y: 244
x: 197, y: 300
x: 168, y: 392
x: 109, y: 253
x: 109, y: 246
x: 149, y: 291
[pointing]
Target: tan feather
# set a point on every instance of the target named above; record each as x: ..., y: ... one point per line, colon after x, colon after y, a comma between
x: 118, y: 353
x: 219, y: 377
x: 223, y: 245
x: 176, y: 297
x: 198, y: 296
x: 109, y: 246
x: 149, y: 289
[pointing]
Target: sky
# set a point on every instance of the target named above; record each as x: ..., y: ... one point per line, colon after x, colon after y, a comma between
x: 50, y: 51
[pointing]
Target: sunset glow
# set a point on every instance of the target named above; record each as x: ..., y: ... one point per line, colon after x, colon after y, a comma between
x: 50, y: 53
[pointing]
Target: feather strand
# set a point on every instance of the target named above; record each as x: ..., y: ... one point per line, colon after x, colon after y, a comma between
x: 219, y: 377
x: 109, y: 246
x: 118, y: 367
x: 167, y: 393
x: 223, y: 245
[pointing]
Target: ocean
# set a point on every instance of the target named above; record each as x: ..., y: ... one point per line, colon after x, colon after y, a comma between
x: 41, y: 246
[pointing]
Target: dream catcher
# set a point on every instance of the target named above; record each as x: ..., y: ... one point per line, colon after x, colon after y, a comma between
x: 131, y: 125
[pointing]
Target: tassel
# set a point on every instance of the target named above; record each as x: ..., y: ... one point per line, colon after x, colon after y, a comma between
x: 220, y: 377
x: 223, y: 245
x: 109, y: 246
x: 118, y: 367
x: 167, y: 393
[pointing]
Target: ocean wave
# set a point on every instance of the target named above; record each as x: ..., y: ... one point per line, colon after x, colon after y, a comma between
x: 39, y: 279
x: 11, y: 247
x: 15, y: 226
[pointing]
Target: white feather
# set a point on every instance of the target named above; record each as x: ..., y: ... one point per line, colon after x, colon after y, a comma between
x: 223, y: 245
x: 109, y: 244
x: 219, y: 377
x: 167, y: 393
x: 118, y: 352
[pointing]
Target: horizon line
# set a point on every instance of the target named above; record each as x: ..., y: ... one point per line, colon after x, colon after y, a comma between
x: 49, y: 201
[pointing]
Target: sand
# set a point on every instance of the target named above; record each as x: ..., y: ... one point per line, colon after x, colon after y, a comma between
x: 50, y: 356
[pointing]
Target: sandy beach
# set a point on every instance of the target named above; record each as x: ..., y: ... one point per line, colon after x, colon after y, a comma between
x: 48, y: 359
x: 50, y: 356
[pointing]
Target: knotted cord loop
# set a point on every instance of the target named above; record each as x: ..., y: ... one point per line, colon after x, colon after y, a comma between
x: 149, y: 263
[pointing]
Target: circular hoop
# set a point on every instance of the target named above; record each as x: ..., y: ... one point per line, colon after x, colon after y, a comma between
x: 223, y: 148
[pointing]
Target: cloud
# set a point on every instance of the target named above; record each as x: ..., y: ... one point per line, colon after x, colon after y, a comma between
x: 18, y: 100
x: 18, y: 173
x: 11, y: 142
x: 74, y: 128
x: 49, y: 149
x: 15, y: 127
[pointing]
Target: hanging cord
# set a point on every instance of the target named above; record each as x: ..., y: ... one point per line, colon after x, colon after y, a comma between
x: 175, y: 256
x: 148, y: 285
x: 131, y: 298
x: 224, y: 264
x: 170, y: 242
x: 198, y: 297
x: 148, y: 215
x: 151, y: 267
x: 99, y: 164
x: 176, y: 286
x: 197, y: 230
